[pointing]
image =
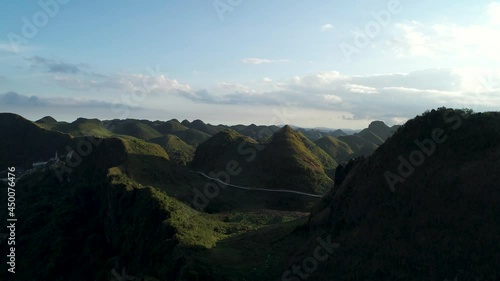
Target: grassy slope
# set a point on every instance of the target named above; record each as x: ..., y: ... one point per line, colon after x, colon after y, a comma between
x: 371, y: 137
x: 284, y: 162
x: 92, y: 224
x: 337, y: 149
x: 327, y: 161
x: 192, y: 137
x: 169, y: 127
x: 180, y: 152
x: 220, y: 149
x: 80, y: 127
x: 292, y: 165
x: 205, y: 128
x: 135, y: 128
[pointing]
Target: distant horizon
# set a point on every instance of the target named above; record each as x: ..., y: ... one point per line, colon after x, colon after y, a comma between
x: 204, y: 121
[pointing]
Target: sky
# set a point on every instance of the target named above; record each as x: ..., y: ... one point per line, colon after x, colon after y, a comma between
x: 334, y: 64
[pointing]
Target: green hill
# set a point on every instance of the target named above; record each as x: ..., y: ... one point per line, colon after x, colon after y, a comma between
x: 366, y: 142
x: 258, y: 133
x: 370, y: 137
x: 202, y: 127
x: 179, y: 151
x: 337, y: 149
x: 326, y: 160
x: 381, y: 130
x: 312, y: 134
x: 78, y: 128
x: 192, y: 137
x: 265, y: 165
x: 222, y: 148
x: 170, y: 127
x: 292, y: 165
x: 135, y: 128
x: 359, y: 145
x: 47, y: 122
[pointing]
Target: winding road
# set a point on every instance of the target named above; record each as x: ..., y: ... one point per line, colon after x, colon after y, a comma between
x: 258, y: 189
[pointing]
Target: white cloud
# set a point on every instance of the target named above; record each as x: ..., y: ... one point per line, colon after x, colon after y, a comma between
x: 494, y: 12
x: 389, y: 96
x: 326, y: 27
x: 121, y: 83
x: 477, y: 41
x: 230, y: 88
x: 332, y: 98
x: 262, y: 61
x: 319, y: 80
x: 18, y: 100
x: 359, y: 89
x: 392, y: 96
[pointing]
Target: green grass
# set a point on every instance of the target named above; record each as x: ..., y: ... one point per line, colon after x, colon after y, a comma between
x: 326, y: 160
x: 169, y: 127
x: 179, y: 151
x: 192, y: 137
x: 192, y: 228
x: 137, y: 146
x: 80, y: 127
x: 260, y: 254
x: 258, y: 218
x: 337, y: 149
x: 292, y: 165
x: 135, y: 128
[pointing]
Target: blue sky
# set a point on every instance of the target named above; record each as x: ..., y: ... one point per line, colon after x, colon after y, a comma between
x: 241, y: 61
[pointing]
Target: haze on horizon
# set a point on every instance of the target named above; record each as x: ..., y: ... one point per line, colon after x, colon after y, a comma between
x: 262, y: 62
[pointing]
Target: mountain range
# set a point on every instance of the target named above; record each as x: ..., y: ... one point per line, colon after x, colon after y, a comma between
x: 193, y: 201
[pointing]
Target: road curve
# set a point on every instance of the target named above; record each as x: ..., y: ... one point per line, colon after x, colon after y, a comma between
x: 258, y: 189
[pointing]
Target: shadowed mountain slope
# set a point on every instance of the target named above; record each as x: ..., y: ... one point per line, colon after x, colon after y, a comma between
x: 24, y: 142
x: 424, y: 206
